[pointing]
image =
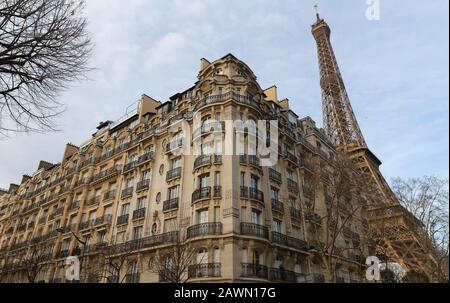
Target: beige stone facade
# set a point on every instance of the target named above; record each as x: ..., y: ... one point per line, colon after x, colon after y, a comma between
x: 128, y: 191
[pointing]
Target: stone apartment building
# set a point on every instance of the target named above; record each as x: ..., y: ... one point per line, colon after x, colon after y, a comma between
x: 128, y: 191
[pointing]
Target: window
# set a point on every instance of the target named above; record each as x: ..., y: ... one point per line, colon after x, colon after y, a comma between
x: 141, y: 203
x: 203, y: 181
x: 256, y: 258
x: 256, y: 217
x: 216, y: 214
x: 276, y: 225
x: 129, y: 183
x: 202, y: 216
x: 102, y: 237
x: 290, y: 175
x: 254, y: 182
x: 170, y: 225
x: 137, y: 232
x: 292, y: 201
x: 125, y: 209
x: 274, y: 193
x: 202, y: 256
x: 217, y: 178
x: 145, y: 175
x: 176, y: 163
x: 242, y: 179
x: 173, y: 193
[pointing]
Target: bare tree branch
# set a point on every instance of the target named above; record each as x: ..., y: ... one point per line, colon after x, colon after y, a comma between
x: 44, y: 46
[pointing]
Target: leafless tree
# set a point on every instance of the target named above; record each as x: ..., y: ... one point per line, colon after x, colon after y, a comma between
x: 427, y: 199
x: 34, y: 261
x: 44, y: 46
x: 172, y: 263
x: 344, y: 191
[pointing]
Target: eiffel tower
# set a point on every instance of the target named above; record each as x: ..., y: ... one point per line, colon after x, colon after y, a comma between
x: 395, y: 231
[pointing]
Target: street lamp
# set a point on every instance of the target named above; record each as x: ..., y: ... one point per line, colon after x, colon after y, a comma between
x: 83, y: 243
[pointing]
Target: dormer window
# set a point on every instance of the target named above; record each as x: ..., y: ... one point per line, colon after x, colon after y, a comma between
x: 239, y: 72
x: 218, y: 71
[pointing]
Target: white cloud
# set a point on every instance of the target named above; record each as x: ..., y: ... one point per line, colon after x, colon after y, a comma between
x: 396, y: 69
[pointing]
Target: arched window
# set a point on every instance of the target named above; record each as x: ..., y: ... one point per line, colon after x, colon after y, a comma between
x: 202, y: 256
x: 216, y: 255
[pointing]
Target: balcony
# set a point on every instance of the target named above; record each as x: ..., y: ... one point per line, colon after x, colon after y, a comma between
x: 274, y: 175
x: 106, y: 155
x: 277, y: 206
x: 87, y: 162
x: 289, y: 241
x: 74, y: 205
x: 206, y: 270
x: 250, y: 270
x: 93, y: 201
x: 313, y: 218
x: 217, y: 159
x: 244, y: 192
x: 122, y: 220
x: 306, y: 165
x: 291, y: 157
x: 174, y: 145
x: 127, y: 192
x: 22, y: 227
x: 145, y: 158
x: 296, y: 213
x: 217, y: 191
x: 109, y: 195
x: 143, y: 185
x: 170, y: 204
x: 308, y: 192
x: 254, y: 230
x: 282, y: 275
x: 256, y: 194
x: 173, y: 174
x: 167, y: 238
x: 139, y: 214
x: 86, y: 224
x: 254, y: 161
x: 208, y: 128
x: 106, y: 174
x: 204, y: 229
x: 130, y: 166
x: 201, y: 194
x: 292, y: 185
x: 104, y: 220
x: 203, y: 160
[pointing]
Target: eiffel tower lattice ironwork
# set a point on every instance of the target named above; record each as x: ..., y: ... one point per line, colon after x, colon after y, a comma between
x: 396, y: 231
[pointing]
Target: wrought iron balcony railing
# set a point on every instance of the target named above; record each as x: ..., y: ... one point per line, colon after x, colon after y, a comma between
x: 143, y: 185
x: 201, y: 194
x: 206, y: 270
x: 123, y: 219
x: 274, y: 175
x: 139, y: 213
x: 173, y: 174
x: 289, y: 241
x: 255, y: 230
x: 250, y: 270
x: 170, y: 204
x: 204, y: 229
x: 127, y: 192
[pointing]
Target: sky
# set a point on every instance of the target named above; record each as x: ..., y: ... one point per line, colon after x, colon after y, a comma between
x: 395, y: 70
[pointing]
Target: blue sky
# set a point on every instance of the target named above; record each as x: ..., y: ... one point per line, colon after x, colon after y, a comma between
x: 395, y: 70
